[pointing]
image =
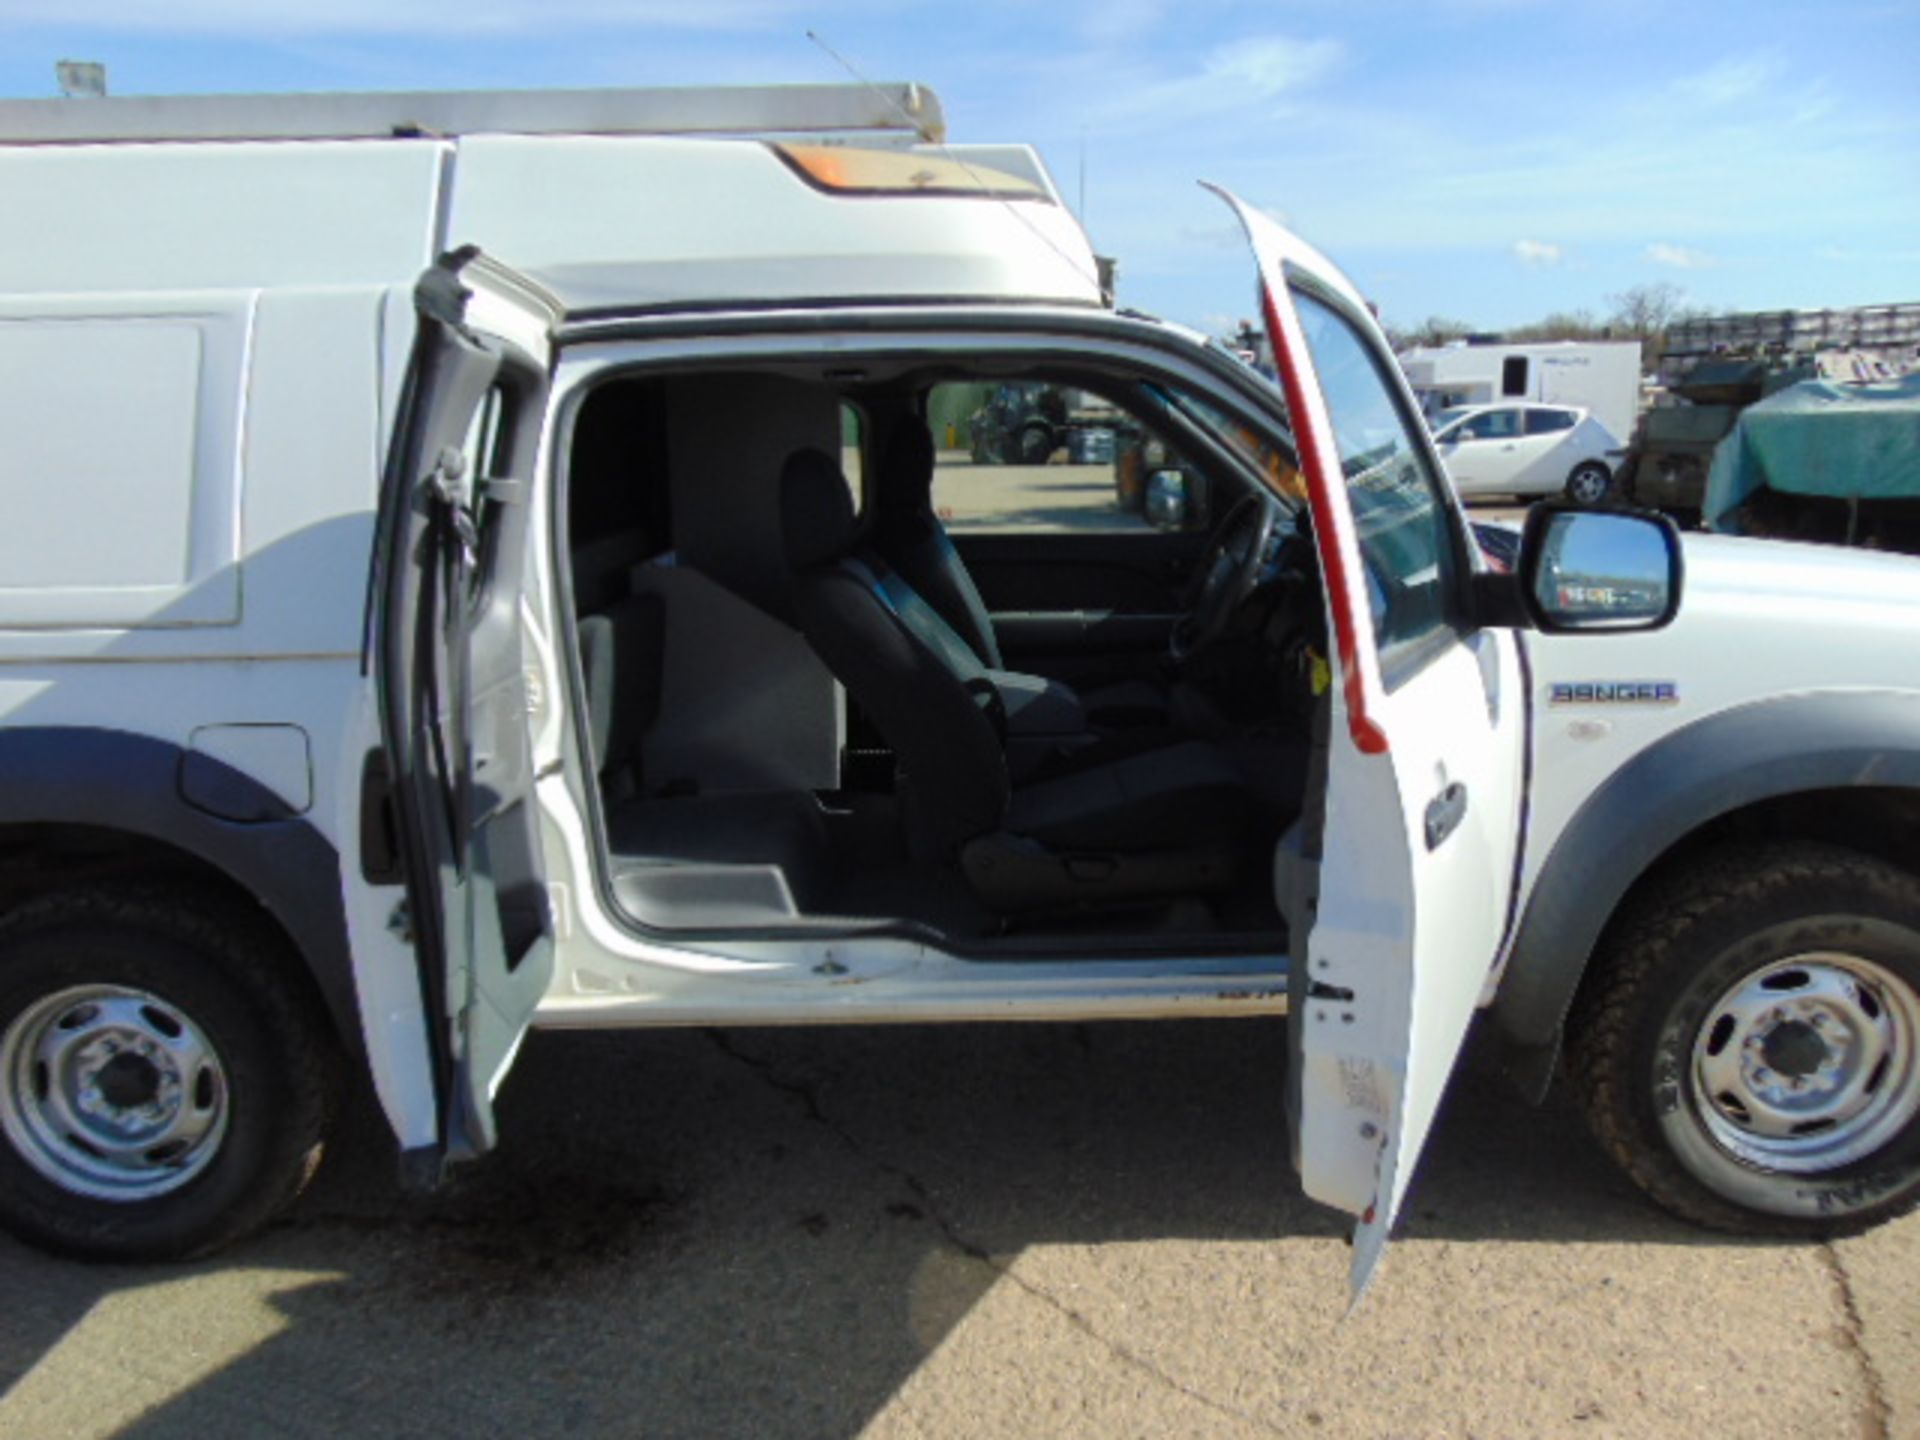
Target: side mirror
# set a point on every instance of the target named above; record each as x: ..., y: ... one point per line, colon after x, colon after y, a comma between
x: 1166, y: 504
x: 1598, y: 570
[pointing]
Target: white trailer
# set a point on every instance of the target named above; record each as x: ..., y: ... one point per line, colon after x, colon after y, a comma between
x: 1601, y: 375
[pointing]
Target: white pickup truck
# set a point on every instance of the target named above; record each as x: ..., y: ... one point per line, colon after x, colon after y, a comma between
x: 404, y: 644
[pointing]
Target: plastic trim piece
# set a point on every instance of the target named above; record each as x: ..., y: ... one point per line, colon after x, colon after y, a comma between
x: 136, y: 785
x: 1717, y: 765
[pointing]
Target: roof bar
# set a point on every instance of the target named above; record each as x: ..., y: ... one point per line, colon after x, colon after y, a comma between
x: 715, y: 110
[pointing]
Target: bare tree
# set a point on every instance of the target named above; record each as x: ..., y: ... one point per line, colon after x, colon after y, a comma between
x: 1561, y: 325
x: 1645, y: 310
x: 1438, y: 330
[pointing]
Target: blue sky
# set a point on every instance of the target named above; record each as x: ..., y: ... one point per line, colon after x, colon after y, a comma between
x: 1486, y: 159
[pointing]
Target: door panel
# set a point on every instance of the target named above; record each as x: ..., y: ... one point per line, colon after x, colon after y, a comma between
x: 1425, y: 758
x: 451, y: 672
x: 1140, y: 574
x: 1082, y: 607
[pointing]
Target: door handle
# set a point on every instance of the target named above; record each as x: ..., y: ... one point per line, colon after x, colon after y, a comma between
x: 1444, y: 813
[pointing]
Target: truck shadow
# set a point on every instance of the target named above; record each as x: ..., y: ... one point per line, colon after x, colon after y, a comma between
x: 768, y: 1232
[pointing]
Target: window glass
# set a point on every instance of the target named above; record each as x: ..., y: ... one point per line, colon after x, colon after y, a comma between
x: 1027, y: 456
x: 1400, y: 519
x: 1492, y: 425
x: 1513, y: 375
x: 852, y: 450
x: 1545, y: 422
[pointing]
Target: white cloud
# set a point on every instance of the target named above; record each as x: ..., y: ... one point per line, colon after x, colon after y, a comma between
x: 1732, y: 79
x: 1270, y: 64
x: 1537, y: 254
x: 1231, y: 78
x: 1680, y: 257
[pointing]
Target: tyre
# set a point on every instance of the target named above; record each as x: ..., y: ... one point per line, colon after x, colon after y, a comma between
x: 1034, y: 445
x: 165, y: 1081
x: 1590, y: 483
x: 1747, y: 1044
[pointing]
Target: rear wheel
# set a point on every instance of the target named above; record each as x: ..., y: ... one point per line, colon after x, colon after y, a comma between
x: 1590, y: 483
x: 1748, y: 1043
x: 165, y: 1083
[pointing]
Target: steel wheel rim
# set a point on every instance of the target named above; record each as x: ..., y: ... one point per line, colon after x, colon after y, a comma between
x: 112, y: 1093
x: 1588, y: 485
x: 1809, y: 1063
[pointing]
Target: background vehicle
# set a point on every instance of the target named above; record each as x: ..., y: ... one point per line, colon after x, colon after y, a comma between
x: 1527, y: 450
x: 1837, y: 463
x: 1600, y: 376
x: 1019, y: 425
x: 1712, y: 367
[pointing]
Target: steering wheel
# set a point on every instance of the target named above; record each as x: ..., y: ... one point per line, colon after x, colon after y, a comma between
x: 1234, y: 557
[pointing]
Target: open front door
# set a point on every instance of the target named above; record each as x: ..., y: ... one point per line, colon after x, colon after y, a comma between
x: 447, y: 646
x: 1425, y: 763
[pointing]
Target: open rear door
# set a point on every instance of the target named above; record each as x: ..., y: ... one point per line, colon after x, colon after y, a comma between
x: 447, y: 648
x: 1425, y: 761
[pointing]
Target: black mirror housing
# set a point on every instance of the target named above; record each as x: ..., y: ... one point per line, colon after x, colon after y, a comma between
x: 1584, y: 571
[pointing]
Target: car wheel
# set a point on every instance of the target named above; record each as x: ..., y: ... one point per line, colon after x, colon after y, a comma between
x: 1035, y: 444
x: 1747, y: 1045
x: 165, y: 1081
x: 1590, y: 483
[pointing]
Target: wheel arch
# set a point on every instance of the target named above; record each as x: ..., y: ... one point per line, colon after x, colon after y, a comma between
x: 1838, y: 767
x: 83, y: 805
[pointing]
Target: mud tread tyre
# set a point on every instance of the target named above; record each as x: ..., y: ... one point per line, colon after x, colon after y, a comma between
x: 1641, y: 971
x: 230, y: 968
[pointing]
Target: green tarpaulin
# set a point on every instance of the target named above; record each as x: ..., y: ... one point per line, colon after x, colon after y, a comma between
x: 1820, y: 438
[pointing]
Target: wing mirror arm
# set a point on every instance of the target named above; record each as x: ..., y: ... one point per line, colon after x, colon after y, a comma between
x: 1498, y: 603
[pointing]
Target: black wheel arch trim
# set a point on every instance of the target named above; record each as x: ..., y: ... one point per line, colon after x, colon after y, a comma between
x: 117, y: 780
x: 1719, y: 764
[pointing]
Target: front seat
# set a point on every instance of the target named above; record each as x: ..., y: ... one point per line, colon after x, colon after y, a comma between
x: 1157, y: 824
x: 908, y: 533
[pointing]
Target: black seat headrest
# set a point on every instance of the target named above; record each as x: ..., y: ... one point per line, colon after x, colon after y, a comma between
x: 816, y: 510
x: 906, y: 469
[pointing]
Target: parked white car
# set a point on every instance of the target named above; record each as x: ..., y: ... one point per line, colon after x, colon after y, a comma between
x: 1527, y: 450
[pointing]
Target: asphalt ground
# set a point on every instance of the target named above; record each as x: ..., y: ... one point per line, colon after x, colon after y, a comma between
x: 963, y: 1231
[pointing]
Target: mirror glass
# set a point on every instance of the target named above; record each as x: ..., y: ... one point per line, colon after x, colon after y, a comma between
x: 1166, y: 503
x: 1597, y: 569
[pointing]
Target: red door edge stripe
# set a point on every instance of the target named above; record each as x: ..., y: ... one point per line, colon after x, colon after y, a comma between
x: 1368, y: 737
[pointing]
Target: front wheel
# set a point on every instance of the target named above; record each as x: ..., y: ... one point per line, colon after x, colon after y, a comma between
x: 1590, y: 483
x: 1035, y: 444
x: 1747, y: 1045
x: 165, y: 1083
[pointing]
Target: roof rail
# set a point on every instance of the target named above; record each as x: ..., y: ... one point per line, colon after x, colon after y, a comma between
x: 714, y: 110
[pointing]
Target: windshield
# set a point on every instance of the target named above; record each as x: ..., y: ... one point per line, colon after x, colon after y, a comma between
x: 1274, y: 461
x: 1452, y: 415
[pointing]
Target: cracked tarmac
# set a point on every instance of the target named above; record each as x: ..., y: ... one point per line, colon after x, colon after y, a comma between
x: 998, y: 1230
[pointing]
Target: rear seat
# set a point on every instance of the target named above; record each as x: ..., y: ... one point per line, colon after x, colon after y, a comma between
x: 621, y: 651
x: 621, y: 642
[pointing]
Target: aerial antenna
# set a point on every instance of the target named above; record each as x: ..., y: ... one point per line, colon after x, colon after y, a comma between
x: 1073, y: 262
